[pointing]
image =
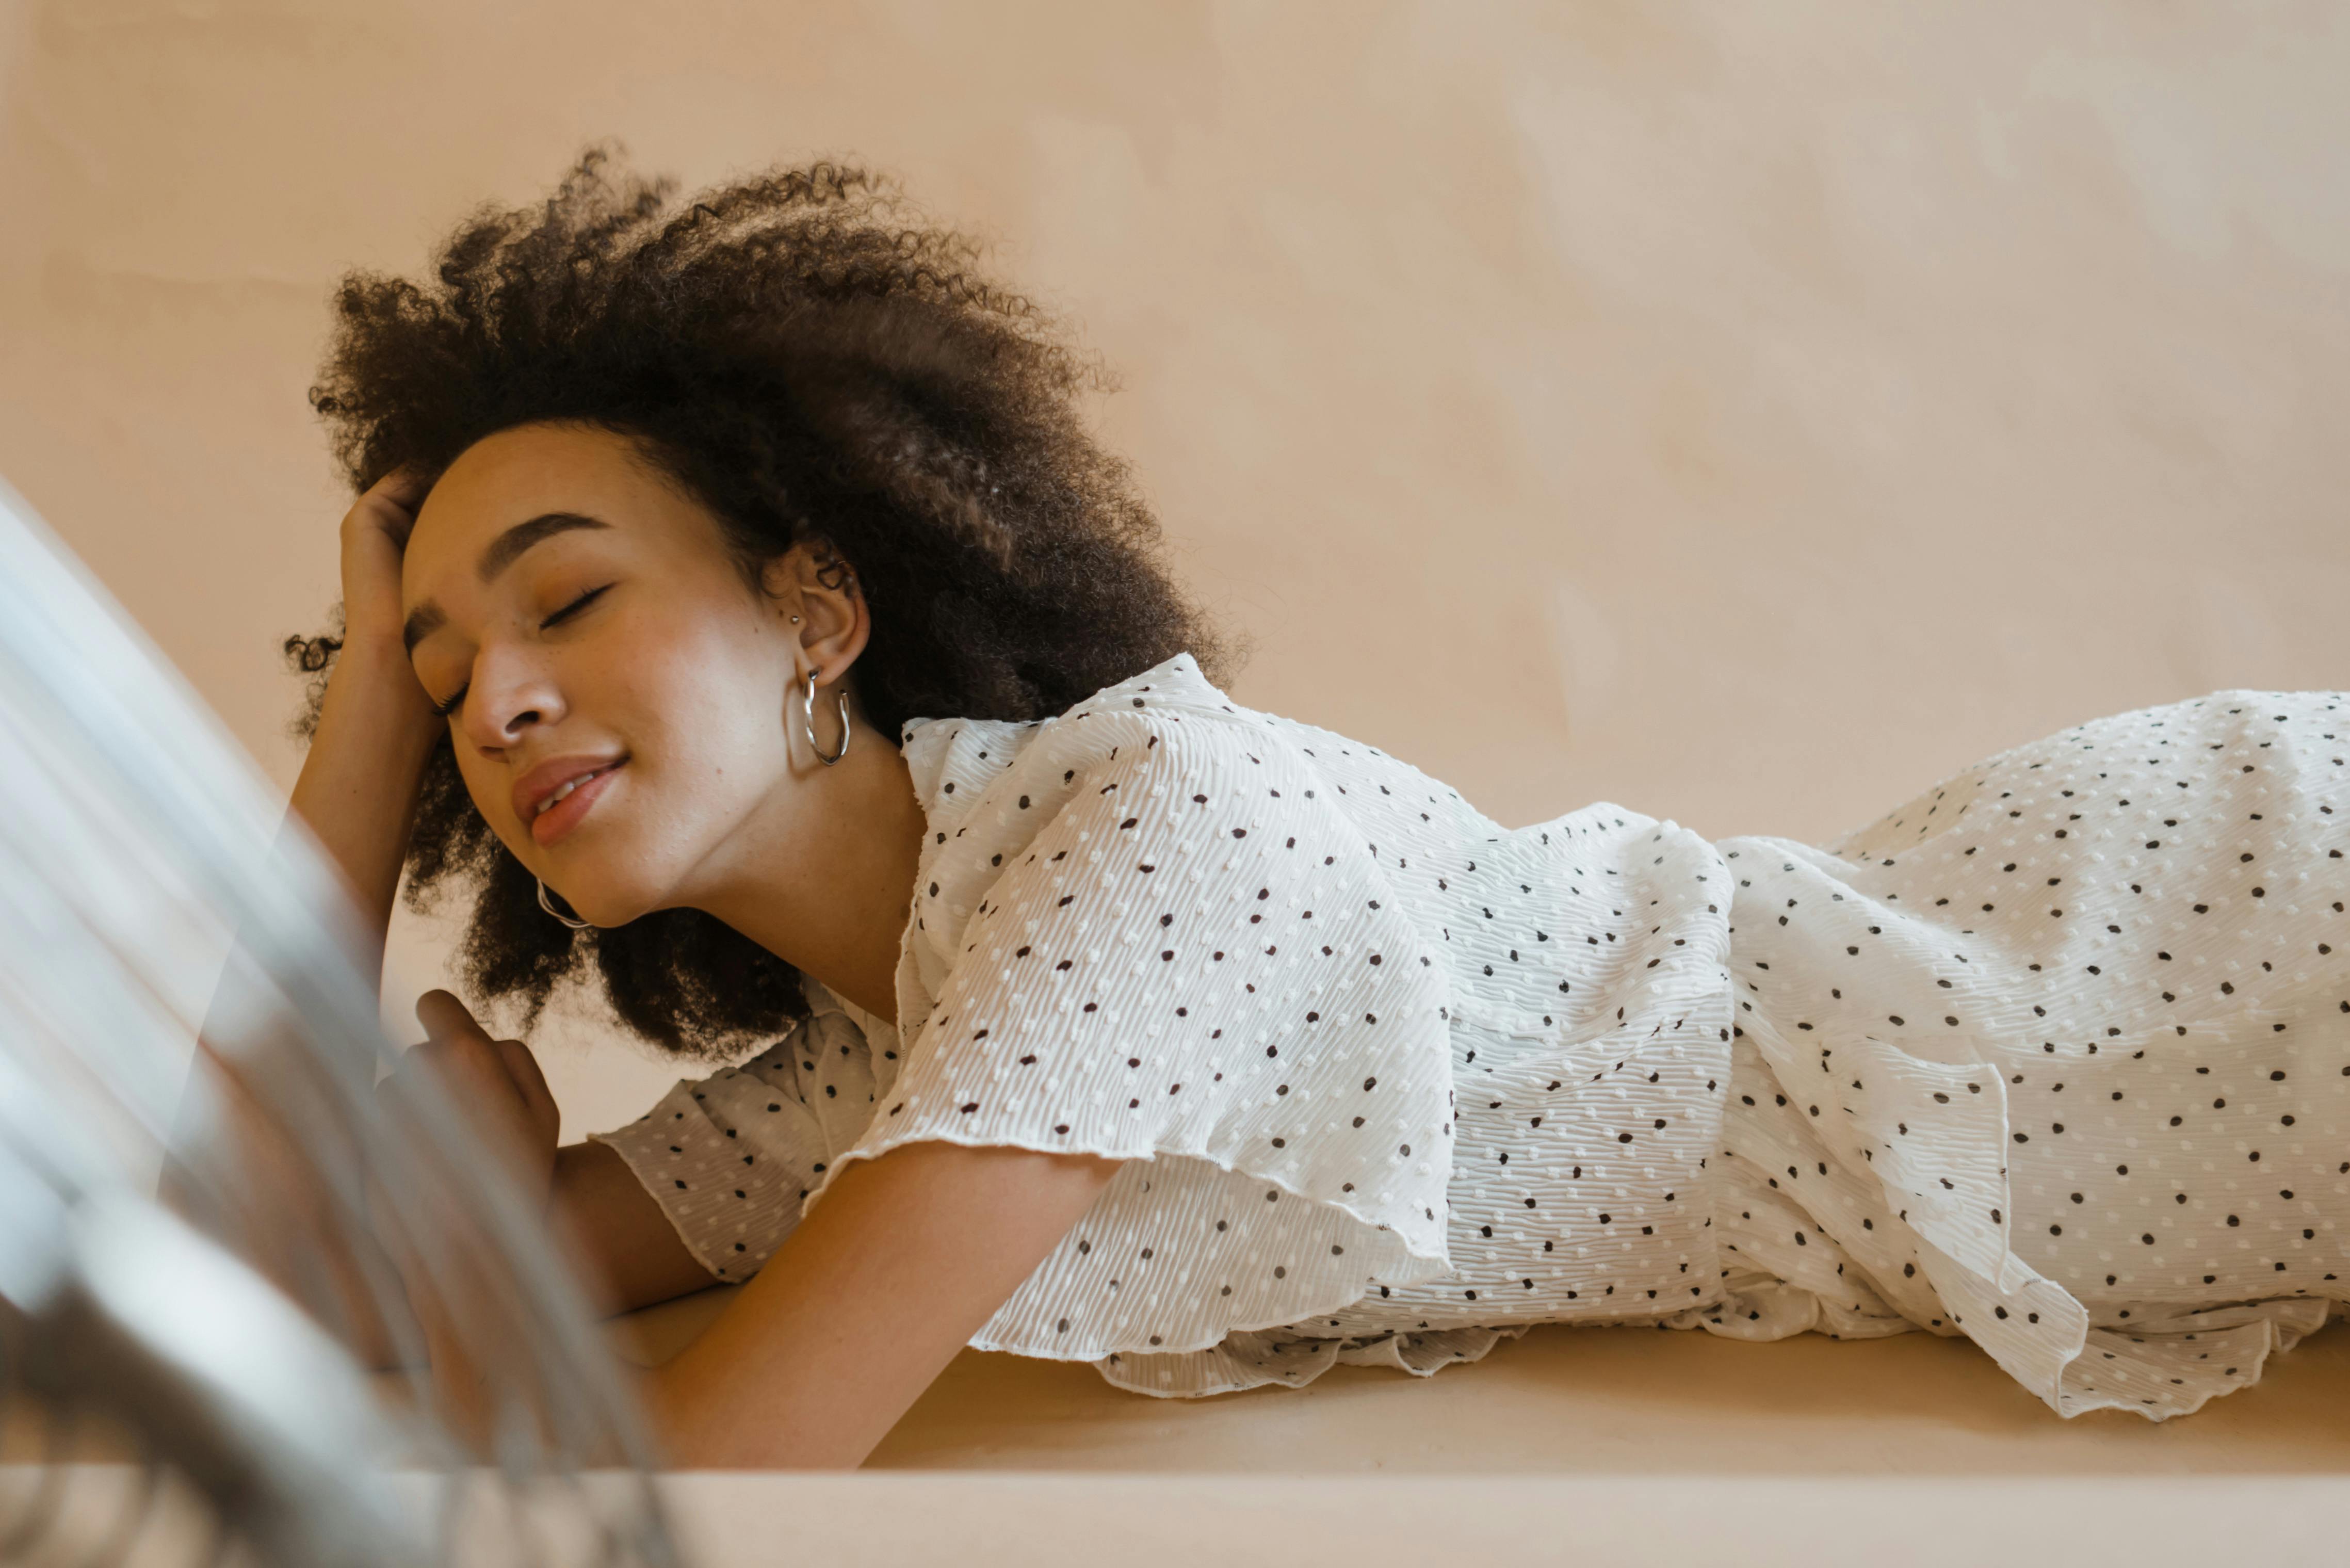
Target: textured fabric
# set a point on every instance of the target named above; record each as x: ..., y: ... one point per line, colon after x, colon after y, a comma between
x: 2057, y: 1056
x: 735, y: 1156
x: 1395, y: 1083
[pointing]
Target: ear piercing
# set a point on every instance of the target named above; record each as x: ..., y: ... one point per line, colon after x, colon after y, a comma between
x: 807, y: 718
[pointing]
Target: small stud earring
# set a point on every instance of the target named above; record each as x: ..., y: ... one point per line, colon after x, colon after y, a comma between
x: 796, y: 620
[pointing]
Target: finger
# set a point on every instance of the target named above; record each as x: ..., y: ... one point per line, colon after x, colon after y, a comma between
x: 403, y: 487
x: 391, y: 503
x: 446, y: 1018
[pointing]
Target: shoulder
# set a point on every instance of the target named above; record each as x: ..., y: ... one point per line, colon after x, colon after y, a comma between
x: 1134, y: 779
x: 1169, y: 713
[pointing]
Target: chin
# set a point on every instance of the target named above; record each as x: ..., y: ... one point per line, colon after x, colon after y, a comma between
x: 610, y: 870
x: 598, y: 884
x: 611, y: 902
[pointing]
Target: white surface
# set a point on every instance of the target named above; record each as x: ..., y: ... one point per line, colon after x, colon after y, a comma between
x: 1231, y: 1521
x: 1044, y: 1521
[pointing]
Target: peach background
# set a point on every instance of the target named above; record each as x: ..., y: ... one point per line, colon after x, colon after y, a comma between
x: 1747, y: 414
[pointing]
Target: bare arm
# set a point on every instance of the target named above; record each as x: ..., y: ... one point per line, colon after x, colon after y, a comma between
x: 357, y: 795
x: 359, y: 785
x: 891, y: 1271
x: 618, y: 1230
x: 903, y: 1259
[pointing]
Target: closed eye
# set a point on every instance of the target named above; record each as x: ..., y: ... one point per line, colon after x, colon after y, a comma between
x: 446, y: 708
x: 574, y: 608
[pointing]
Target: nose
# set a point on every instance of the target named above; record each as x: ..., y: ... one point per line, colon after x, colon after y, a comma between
x: 511, y: 690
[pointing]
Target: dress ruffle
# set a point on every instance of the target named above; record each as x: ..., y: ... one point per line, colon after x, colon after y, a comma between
x: 1141, y: 931
x: 1245, y: 1361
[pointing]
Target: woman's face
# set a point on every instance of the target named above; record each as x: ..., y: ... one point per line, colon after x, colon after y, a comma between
x: 595, y: 638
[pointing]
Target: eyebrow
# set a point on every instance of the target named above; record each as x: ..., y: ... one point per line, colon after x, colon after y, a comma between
x: 502, y: 552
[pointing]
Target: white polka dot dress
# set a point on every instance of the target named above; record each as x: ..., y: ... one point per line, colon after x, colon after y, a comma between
x: 1395, y: 1083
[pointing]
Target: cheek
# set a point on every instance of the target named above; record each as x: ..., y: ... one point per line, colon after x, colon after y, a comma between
x: 706, y: 708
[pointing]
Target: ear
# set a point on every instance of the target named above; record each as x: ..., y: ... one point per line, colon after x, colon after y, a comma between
x: 813, y: 581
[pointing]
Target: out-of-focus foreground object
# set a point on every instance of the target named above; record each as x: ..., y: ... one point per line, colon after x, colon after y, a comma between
x: 202, y: 1192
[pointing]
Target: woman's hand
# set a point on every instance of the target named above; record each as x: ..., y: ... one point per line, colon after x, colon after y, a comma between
x: 374, y: 536
x: 495, y: 1082
x: 374, y: 657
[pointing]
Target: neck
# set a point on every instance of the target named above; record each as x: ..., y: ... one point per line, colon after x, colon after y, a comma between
x: 827, y: 884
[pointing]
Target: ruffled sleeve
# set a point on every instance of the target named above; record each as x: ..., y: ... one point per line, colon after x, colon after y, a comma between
x: 731, y: 1157
x: 1140, y: 930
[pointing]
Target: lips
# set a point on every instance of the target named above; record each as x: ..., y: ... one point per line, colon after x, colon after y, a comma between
x: 559, y: 818
x: 555, y: 796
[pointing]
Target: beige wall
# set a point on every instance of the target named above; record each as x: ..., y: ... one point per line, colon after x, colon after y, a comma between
x: 1748, y: 414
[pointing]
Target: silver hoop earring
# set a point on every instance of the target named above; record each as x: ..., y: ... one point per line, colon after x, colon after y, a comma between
x: 807, y: 720
x: 576, y: 925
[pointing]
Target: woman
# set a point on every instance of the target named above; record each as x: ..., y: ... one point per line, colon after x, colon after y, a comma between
x: 737, y: 604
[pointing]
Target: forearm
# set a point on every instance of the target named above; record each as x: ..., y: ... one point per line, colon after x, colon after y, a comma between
x: 630, y: 1254
x: 626, y: 1249
x: 625, y: 1243
x: 359, y: 784
x: 461, y: 1396
x: 866, y: 1302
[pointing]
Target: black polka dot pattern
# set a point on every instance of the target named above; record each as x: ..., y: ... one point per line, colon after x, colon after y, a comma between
x: 1166, y: 955
x: 2048, y: 1057
x: 2057, y: 1057
x: 731, y: 1156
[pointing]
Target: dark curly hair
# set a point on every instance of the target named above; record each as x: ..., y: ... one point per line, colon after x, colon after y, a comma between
x: 814, y: 363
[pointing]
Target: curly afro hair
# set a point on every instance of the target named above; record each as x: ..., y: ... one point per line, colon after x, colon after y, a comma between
x: 814, y: 364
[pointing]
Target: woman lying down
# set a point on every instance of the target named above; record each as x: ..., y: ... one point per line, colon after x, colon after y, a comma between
x: 738, y: 609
